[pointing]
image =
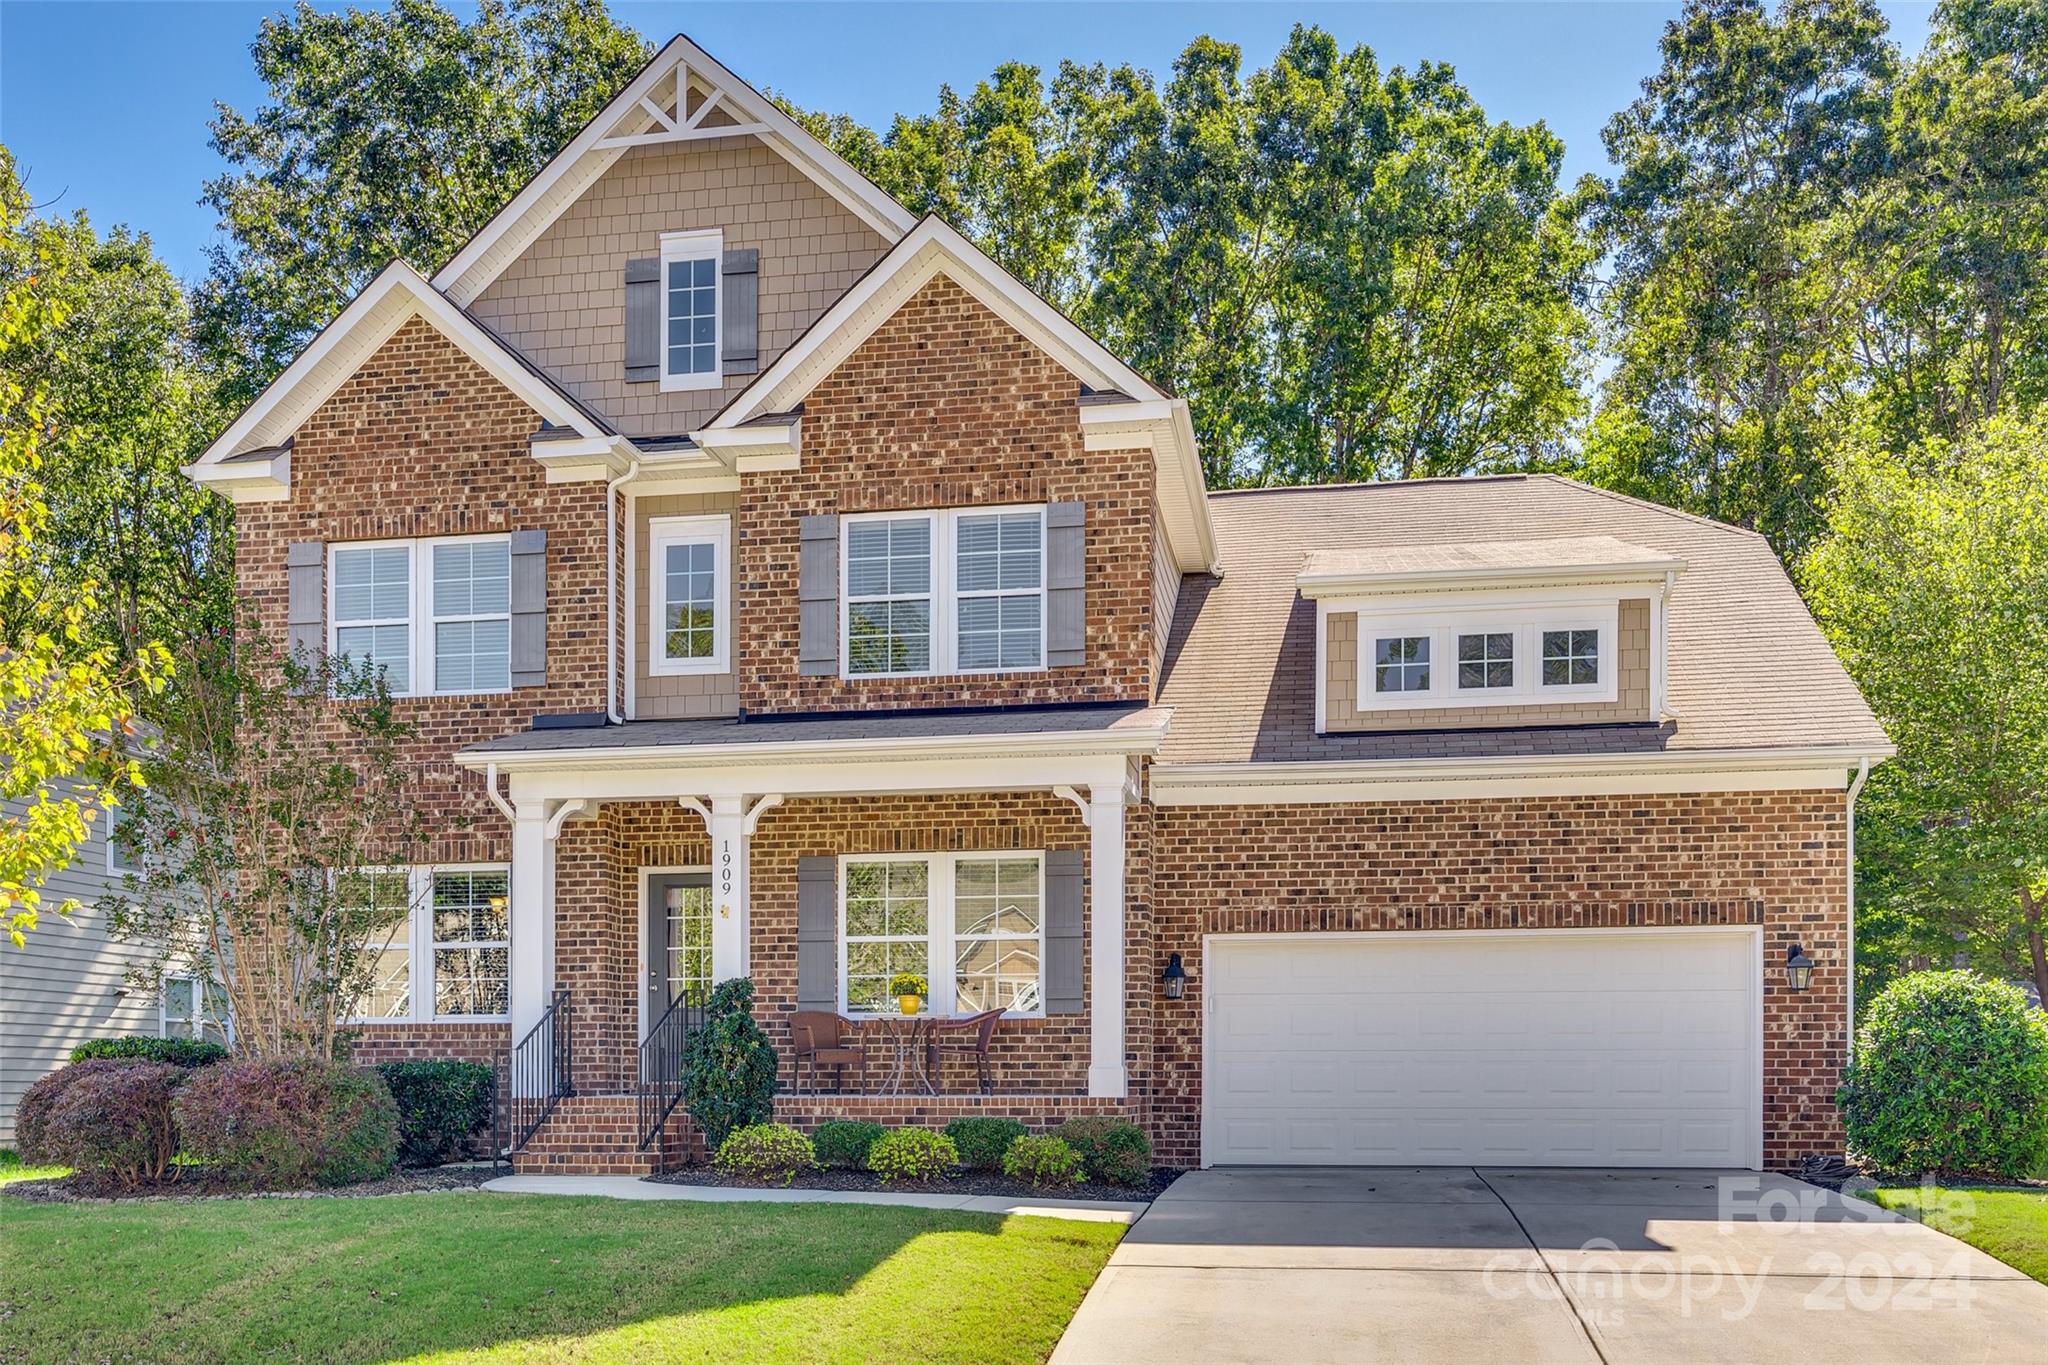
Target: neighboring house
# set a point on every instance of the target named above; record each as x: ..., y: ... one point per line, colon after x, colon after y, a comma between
x: 782, y: 589
x: 70, y: 983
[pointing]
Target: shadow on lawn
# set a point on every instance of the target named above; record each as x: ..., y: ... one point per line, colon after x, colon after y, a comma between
x: 545, y: 1277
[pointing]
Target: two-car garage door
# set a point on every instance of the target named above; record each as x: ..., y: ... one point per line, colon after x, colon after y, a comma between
x: 1554, y: 1047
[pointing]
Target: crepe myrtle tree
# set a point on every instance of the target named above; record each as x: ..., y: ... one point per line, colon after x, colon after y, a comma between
x: 279, y: 811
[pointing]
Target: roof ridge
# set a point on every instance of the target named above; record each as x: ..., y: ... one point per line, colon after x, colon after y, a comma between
x: 1633, y: 501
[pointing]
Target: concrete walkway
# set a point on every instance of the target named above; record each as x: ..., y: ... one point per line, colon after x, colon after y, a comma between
x: 1445, y: 1264
x: 632, y: 1187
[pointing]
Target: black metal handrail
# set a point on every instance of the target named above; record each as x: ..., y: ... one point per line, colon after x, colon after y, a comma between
x: 660, y: 1087
x: 538, y: 1074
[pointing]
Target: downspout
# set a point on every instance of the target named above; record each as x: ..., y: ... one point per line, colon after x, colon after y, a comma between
x: 1855, y: 786
x: 612, y: 569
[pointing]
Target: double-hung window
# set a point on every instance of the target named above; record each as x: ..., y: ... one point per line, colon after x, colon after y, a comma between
x: 189, y: 1007
x: 441, y: 948
x: 690, y: 290
x: 688, y: 591
x: 433, y: 615
x: 971, y: 924
x: 959, y: 591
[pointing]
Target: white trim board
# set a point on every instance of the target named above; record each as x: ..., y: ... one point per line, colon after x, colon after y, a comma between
x: 577, y: 166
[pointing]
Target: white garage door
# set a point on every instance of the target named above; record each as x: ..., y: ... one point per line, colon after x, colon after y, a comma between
x: 1549, y: 1048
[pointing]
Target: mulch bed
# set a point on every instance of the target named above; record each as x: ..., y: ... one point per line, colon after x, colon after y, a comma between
x: 965, y: 1182
x: 196, y: 1183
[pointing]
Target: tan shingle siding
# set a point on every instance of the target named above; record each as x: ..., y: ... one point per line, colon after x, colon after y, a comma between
x: 563, y: 302
x: 1631, y: 702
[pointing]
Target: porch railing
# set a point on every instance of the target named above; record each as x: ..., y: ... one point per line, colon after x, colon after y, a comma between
x: 660, y: 1087
x: 538, y: 1075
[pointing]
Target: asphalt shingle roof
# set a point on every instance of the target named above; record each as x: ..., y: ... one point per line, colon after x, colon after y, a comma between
x: 1748, y: 668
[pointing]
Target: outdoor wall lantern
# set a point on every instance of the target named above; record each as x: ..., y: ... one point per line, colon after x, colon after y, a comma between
x: 1798, y: 969
x: 1174, y: 977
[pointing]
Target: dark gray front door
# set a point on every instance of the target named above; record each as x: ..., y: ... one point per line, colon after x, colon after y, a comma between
x: 677, y: 947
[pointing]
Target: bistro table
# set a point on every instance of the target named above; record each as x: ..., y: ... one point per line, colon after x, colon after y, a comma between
x: 907, y: 1034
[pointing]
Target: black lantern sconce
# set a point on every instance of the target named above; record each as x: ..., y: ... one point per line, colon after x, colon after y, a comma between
x: 1173, y: 978
x: 1798, y: 968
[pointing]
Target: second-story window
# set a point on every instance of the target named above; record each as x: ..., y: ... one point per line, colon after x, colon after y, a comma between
x: 687, y: 594
x: 434, y: 615
x: 944, y: 592
x: 690, y: 309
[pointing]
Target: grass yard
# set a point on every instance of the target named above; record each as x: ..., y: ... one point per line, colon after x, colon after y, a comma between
x: 447, y: 1277
x: 11, y: 1169
x: 2009, y: 1224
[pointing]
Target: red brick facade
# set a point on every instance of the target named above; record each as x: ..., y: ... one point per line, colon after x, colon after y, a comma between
x: 946, y: 405
x: 1775, y: 859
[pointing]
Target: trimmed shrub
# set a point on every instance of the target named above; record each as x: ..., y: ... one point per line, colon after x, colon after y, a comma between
x: 982, y: 1142
x: 108, y: 1118
x: 291, y: 1124
x: 728, y: 1065
x: 186, y: 1052
x: 1950, y: 1074
x: 844, y: 1143
x: 1113, y: 1150
x: 774, y: 1152
x: 912, y: 1154
x: 440, y: 1106
x: 33, y: 1108
x: 1042, y: 1161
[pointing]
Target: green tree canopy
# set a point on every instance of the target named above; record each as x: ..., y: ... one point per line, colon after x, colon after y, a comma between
x: 386, y: 133
x: 1932, y: 584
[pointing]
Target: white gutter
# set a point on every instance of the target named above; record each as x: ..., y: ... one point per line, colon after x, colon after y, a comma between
x: 1133, y: 739
x: 1855, y: 787
x: 612, y: 569
x: 1313, y: 772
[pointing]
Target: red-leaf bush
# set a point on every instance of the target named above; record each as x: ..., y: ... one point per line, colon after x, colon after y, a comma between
x: 108, y: 1119
x: 290, y: 1124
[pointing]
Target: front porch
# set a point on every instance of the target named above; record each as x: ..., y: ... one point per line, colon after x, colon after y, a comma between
x: 640, y: 879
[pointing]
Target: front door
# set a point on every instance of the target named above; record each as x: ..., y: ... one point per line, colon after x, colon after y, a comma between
x: 676, y: 945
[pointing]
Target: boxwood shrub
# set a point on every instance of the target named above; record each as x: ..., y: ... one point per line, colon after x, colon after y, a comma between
x: 981, y: 1142
x: 843, y: 1144
x: 916, y: 1154
x: 1044, y: 1161
x: 174, y: 1051
x: 1112, y: 1150
x: 292, y: 1124
x: 441, y: 1105
x: 106, y: 1118
x: 1950, y: 1075
x: 774, y: 1152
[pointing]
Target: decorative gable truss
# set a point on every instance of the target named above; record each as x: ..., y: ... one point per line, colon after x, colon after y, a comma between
x: 251, y: 460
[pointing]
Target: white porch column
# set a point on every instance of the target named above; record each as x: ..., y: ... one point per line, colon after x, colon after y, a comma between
x: 728, y: 825
x: 532, y: 968
x: 1106, y: 940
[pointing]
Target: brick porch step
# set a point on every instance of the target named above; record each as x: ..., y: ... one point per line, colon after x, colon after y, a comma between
x: 600, y: 1135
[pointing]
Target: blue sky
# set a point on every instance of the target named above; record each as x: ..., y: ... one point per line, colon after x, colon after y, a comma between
x: 105, y: 105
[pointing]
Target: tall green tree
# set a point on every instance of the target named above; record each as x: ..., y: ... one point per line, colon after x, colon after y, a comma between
x: 385, y: 133
x: 66, y: 701
x: 1741, y: 168
x: 1932, y: 585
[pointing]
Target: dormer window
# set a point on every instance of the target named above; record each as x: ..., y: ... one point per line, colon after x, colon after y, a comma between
x: 1486, y: 660
x: 1571, y: 658
x: 1490, y: 650
x: 1401, y: 663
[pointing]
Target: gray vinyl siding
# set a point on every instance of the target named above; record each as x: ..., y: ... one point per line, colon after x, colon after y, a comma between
x: 67, y: 985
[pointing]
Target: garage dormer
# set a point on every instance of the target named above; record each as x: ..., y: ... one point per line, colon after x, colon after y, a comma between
x: 1568, y: 631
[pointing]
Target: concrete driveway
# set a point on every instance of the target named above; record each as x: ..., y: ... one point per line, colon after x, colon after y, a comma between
x: 1454, y: 1264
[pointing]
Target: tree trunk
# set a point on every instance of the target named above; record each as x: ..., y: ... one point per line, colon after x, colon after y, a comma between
x: 2037, y: 953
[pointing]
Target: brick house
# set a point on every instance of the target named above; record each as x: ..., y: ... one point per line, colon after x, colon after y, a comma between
x: 783, y: 590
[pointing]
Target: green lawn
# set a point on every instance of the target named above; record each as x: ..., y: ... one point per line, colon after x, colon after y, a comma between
x: 2009, y: 1224
x: 536, y: 1277
x: 11, y: 1169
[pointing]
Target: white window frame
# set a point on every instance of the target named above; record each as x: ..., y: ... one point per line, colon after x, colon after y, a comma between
x: 420, y: 945
x: 663, y: 532
x: 939, y: 936
x: 115, y: 867
x: 1442, y: 626
x: 944, y: 595
x: 421, y: 621
x: 707, y: 244
x: 163, y: 1009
